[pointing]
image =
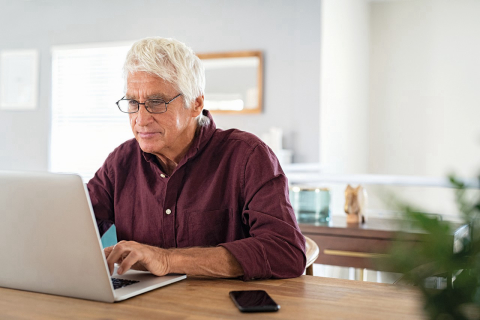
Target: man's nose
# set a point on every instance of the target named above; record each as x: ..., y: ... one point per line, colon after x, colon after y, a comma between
x: 143, y: 116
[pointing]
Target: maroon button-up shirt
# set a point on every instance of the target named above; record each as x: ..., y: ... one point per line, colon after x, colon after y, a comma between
x: 228, y: 190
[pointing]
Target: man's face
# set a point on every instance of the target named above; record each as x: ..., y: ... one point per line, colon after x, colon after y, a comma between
x: 166, y: 134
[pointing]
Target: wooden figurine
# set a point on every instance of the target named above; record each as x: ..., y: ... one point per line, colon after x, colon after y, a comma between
x: 355, y: 203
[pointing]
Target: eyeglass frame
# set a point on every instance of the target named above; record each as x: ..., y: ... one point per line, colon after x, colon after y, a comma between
x: 144, y: 104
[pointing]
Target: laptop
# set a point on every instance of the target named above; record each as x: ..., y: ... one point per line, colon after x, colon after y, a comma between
x: 49, y: 241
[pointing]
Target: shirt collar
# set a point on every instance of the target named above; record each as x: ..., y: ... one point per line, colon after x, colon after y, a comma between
x: 203, y: 135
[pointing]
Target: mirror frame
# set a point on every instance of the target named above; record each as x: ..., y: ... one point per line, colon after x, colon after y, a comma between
x: 241, y: 54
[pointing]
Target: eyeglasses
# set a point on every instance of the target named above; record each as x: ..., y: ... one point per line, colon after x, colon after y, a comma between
x: 152, y: 106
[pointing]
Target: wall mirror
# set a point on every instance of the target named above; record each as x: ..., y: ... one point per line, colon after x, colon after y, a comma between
x: 234, y: 81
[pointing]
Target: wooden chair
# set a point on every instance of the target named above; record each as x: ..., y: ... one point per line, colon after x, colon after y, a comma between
x: 312, y: 252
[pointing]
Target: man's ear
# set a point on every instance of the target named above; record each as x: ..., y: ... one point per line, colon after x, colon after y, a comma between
x: 197, y: 105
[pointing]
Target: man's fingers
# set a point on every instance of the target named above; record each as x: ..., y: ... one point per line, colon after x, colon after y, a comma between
x: 130, y: 254
x: 132, y: 258
x: 116, y: 254
x: 108, y: 250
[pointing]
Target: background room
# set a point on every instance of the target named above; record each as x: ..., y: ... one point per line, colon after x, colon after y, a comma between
x: 287, y: 32
x: 363, y: 92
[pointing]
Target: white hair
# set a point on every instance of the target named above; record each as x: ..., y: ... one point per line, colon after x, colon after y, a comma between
x: 172, y: 61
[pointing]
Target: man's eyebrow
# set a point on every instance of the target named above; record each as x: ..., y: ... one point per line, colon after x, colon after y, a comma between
x: 156, y: 96
x: 150, y: 97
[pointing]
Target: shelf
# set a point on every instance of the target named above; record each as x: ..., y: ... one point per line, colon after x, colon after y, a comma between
x: 296, y: 177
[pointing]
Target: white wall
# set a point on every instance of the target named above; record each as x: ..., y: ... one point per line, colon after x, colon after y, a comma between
x: 399, y: 93
x: 287, y: 31
x: 425, y: 75
x: 344, y: 86
x: 424, y: 96
x: 399, y: 87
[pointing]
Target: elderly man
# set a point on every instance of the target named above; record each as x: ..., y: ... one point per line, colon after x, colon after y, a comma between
x: 185, y: 196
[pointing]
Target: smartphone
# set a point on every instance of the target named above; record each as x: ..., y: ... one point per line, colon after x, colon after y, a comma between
x: 253, y: 301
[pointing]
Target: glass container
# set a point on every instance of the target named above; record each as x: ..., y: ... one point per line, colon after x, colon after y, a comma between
x: 311, y: 204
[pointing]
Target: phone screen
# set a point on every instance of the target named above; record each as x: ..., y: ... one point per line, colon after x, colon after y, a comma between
x: 253, y: 301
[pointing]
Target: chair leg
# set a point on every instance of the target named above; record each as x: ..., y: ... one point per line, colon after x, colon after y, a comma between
x: 309, y: 271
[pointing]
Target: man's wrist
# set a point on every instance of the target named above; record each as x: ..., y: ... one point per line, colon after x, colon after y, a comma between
x: 170, y: 260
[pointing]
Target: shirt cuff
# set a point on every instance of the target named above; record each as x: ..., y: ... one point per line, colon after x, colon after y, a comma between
x: 251, y: 256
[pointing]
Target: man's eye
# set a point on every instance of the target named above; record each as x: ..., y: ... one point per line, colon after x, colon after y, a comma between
x: 132, y: 102
x: 155, y: 103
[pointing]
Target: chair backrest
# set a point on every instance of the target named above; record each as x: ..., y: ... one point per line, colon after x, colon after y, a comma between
x: 312, y: 252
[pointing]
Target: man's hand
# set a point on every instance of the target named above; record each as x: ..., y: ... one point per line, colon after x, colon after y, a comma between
x: 134, y: 255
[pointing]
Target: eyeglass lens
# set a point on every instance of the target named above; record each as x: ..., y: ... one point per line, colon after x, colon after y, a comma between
x: 154, y: 106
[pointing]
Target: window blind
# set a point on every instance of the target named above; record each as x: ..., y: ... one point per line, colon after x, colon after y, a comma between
x: 86, y: 124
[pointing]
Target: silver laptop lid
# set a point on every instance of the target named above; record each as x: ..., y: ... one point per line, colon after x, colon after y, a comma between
x: 48, y: 237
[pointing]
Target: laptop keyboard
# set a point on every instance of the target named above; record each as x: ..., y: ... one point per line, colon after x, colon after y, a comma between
x: 120, y: 283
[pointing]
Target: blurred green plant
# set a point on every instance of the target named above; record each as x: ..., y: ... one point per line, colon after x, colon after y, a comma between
x: 453, y: 257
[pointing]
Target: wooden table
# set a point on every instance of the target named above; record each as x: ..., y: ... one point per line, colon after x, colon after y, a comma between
x: 357, y: 246
x: 305, y: 297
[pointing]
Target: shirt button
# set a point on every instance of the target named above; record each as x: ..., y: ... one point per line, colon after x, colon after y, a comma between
x: 168, y: 211
x: 162, y: 175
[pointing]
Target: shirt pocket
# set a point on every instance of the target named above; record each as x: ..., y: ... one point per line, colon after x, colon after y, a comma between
x: 209, y: 228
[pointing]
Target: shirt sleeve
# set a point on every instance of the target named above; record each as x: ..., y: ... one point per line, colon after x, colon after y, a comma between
x: 101, y: 190
x: 276, y: 246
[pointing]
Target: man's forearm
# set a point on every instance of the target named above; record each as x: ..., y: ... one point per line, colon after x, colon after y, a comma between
x: 212, y: 262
